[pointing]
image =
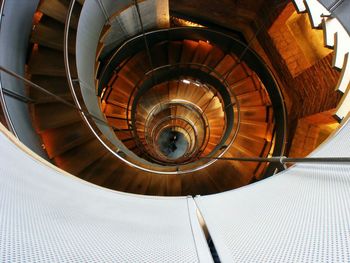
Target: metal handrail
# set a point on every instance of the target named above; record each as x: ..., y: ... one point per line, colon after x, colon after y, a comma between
x: 84, y: 115
x: 187, y: 105
x: 58, y: 98
x: 274, y: 159
x: 150, y: 74
x: 212, y: 35
x: 86, y: 120
x: 2, y: 95
x: 284, y: 159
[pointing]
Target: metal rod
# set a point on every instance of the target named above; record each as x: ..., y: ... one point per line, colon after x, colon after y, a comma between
x: 3, y: 104
x: 17, y: 96
x: 335, y: 5
x: 144, y: 34
x: 58, y: 98
x: 245, y: 50
x: 283, y: 159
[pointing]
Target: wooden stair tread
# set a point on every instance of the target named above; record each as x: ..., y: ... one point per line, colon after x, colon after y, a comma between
x: 159, y: 54
x: 99, y: 171
x: 77, y: 159
x: 245, y: 85
x: 257, y: 129
x: 45, y: 61
x: 139, y: 183
x: 202, y: 52
x: 173, y: 185
x: 55, y: 85
x: 50, y: 33
x: 238, y: 73
x: 214, y: 57
x: 54, y: 115
x: 59, y: 140
x: 58, y: 9
x: 120, y: 179
x: 255, y: 113
x: 157, y: 185
x: 174, y: 52
x: 188, y: 50
x: 254, y: 98
x: 225, y: 65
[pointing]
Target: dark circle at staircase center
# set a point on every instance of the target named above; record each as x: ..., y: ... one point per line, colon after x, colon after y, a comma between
x: 173, y: 144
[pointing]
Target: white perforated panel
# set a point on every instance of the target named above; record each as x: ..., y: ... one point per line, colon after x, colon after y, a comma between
x: 300, y: 215
x: 48, y: 217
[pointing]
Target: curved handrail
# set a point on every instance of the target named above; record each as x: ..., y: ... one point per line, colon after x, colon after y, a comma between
x: 133, y: 163
x: 84, y: 116
x: 233, y: 97
x: 2, y: 95
x: 227, y: 43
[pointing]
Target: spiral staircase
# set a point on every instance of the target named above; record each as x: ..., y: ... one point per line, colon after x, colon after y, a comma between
x: 72, y: 147
x: 154, y: 113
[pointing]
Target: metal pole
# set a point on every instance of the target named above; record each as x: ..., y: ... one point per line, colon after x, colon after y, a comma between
x: 58, y: 98
x: 283, y: 159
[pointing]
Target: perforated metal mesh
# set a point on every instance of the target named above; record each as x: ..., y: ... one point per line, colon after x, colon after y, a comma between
x: 301, y: 215
x: 48, y: 217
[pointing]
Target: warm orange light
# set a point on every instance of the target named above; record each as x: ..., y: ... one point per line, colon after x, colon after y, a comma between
x: 183, y: 22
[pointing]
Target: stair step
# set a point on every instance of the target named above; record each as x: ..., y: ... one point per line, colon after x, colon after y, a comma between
x: 202, y: 183
x: 255, y: 113
x: 53, y: 115
x: 238, y: 73
x: 173, y: 185
x: 214, y: 57
x: 129, y: 76
x: 251, y: 99
x: 174, y: 52
x: 188, y: 51
x: 114, y: 105
x: 187, y: 184
x: 111, y: 109
x: 57, y: 9
x: 157, y: 185
x: 202, y: 52
x: 77, y: 159
x: 121, y: 91
x: 139, y: 183
x: 159, y: 55
x: 252, y: 128
x: 120, y: 124
x: 55, y: 85
x: 120, y: 178
x: 50, y: 33
x: 225, y: 175
x: 45, y: 61
x: 116, y: 116
x: 225, y: 65
x: 253, y: 147
x: 245, y: 169
x: 62, y: 139
x: 99, y: 171
x: 246, y: 85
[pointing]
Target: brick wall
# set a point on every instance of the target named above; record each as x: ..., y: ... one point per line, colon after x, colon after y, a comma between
x: 310, y: 132
x: 312, y: 90
x: 285, y: 43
